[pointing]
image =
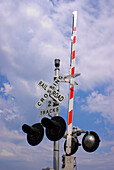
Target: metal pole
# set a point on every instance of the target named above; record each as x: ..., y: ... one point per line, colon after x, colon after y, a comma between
x: 56, y: 143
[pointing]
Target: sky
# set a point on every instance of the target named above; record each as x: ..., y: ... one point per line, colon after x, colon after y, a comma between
x: 33, y: 34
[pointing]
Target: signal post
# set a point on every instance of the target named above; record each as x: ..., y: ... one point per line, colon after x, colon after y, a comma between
x: 55, y: 127
x: 56, y: 143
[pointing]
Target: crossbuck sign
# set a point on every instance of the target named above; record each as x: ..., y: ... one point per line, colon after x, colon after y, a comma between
x: 50, y: 91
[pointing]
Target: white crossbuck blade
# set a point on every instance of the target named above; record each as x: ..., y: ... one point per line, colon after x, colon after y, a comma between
x: 50, y: 91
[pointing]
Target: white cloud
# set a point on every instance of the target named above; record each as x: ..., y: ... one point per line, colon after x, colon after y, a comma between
x: 95, y: 160
x: 14, y: 147
x: 9, y: 109
x: 32, y: 12
x: 7, y: 89
x: 5, y: 153
x: 107, y: 144
x: 8, y: 135
x: 99, y: 103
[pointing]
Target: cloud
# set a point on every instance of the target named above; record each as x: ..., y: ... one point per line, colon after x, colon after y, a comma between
x: 5, y: 153
x: 99, y: 103
x: 96, y: 160
x: 6, y: 89
x: 31, y: 37
x: 14, y: 148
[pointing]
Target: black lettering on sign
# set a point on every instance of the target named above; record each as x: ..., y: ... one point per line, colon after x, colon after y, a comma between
x: 57, y: 81
x: 39, y: 103
x: 40, y: 83
x: 54, y: 110
x: 43, y: 112
x: 55, y: 94
x: 46, y: 95
x: 52, y: 87
x: 47, y: 112
x: 61, y: 98
x: 54, y: 84
x: 50, y: 111
x: 57, y: 109
x: 42, y: 99
x: 43, y: 85
x: 49, y: 91
x: 40, y: 112
x: 49, y: 103
x: 60, y: 77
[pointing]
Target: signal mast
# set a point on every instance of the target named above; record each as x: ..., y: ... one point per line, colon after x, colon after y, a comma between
x: 55, y: 127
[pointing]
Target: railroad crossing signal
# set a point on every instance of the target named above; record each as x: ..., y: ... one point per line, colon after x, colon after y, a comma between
x: 56, y: 126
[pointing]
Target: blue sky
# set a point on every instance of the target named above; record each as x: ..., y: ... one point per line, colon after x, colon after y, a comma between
x: 32, y: 34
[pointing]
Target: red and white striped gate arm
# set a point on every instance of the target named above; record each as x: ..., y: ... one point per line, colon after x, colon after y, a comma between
x: 71, y: 95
